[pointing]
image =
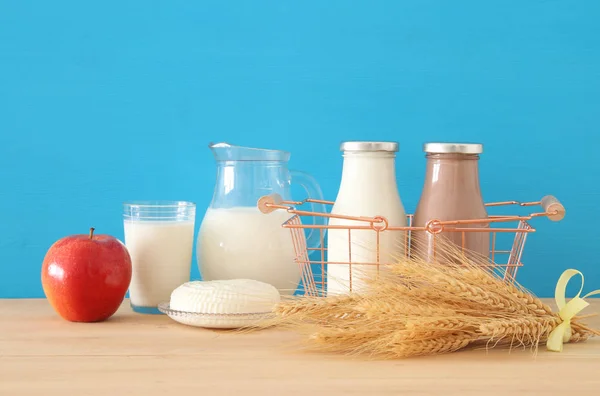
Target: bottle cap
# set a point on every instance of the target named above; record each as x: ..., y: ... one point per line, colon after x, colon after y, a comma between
x: 453, y: 148
x: 369, y: 146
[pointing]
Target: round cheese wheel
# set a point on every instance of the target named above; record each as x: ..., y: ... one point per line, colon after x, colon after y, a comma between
x: 234, y: 296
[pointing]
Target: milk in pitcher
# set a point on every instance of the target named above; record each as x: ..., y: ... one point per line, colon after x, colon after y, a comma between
x: 242, y: 242
x: 236, y: 239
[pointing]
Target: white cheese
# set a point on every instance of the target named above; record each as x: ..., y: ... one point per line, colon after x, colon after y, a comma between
x: 225, y: 297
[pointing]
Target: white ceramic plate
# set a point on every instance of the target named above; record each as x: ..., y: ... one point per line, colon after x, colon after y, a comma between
x: 213, y: 321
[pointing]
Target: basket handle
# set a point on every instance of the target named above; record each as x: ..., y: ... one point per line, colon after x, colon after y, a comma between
x: 552, y: 206
x: 313, y: 190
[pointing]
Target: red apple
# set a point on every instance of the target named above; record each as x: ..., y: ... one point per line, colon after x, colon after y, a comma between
x: 85, y: 277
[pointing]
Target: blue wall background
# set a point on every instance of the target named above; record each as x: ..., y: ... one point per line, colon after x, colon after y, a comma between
x: 110, y: 101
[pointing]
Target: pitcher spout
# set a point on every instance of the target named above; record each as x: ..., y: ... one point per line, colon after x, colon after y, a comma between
x: 228, y: 152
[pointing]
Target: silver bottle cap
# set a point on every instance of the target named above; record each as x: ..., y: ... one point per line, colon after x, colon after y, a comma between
x: 369, y: 146
x: 453, y: 148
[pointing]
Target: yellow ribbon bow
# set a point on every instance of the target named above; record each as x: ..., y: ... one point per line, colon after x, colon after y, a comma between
x: 567, y: 311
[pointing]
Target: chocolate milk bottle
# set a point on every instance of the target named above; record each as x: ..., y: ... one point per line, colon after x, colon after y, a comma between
x: 451, y: 192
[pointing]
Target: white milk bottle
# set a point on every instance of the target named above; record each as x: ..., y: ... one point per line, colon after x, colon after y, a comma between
x: 368, y: 188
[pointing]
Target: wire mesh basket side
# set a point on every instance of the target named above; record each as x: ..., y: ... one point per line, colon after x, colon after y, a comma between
x: 314, y: 262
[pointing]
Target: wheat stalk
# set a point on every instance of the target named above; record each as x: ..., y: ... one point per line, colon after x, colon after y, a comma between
x: 528, y: 303
x: 429, y: 346
x: 415, y: 308
x: 442, y: 325
x: 526, y: 331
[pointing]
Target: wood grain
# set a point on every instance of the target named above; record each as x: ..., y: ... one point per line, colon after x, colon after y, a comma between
x: 135, y: 354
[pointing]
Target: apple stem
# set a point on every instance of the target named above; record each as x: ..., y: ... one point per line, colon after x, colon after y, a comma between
x: 91, y: 232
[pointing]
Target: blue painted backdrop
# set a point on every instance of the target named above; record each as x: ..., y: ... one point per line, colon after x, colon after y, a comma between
x: 110, y: 101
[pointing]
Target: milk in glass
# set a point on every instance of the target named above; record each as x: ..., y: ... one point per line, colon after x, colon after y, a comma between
x: 159, y: 236
x: 161, y: 255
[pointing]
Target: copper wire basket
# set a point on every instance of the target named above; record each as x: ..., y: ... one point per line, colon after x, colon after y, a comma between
x: 508, y: 234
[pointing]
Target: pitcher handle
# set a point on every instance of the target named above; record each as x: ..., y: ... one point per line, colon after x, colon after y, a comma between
x: 313, y: 190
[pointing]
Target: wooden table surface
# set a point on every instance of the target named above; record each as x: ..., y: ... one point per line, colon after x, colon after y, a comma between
x: 132, y: 354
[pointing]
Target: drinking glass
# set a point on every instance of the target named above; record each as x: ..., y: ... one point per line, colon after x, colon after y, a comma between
x: 159, y: 236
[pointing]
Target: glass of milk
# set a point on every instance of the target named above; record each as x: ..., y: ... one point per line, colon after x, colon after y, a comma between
x: 159, y: 236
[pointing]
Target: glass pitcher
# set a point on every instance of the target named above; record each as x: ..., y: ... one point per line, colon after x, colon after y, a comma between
x: 238, y: 241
